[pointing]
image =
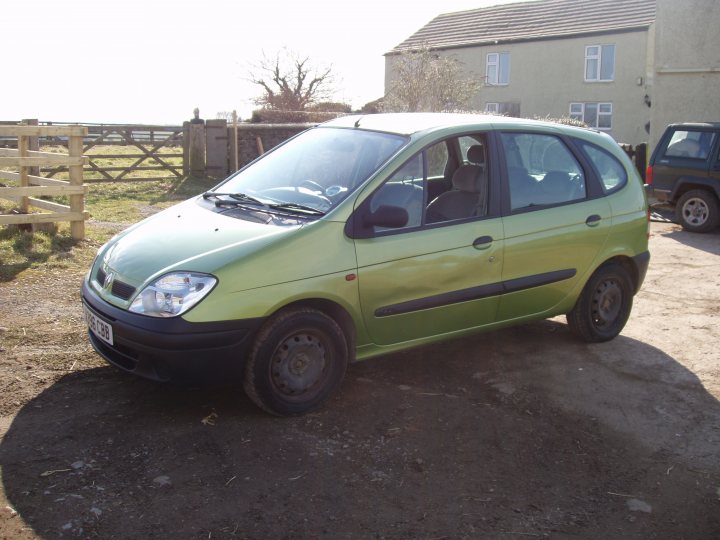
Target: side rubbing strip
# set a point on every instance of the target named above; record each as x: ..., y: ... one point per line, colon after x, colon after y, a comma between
x: 519, y: 284
x: 475, y: 293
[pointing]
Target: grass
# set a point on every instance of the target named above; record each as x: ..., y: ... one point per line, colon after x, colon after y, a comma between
x: 113, y: 207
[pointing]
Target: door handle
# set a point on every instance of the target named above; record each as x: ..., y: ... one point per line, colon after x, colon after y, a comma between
x: 483, y: 242
x: 593, y: 220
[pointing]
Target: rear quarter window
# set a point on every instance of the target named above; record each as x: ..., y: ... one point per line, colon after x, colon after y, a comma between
x: 609, y: 169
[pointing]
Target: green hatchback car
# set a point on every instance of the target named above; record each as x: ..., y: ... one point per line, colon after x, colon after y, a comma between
x: 367, y: 235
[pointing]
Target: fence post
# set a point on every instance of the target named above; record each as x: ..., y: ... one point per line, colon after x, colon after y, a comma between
x: 34, y: 144
x: 77, y: 202
x: 197, y: 149
x: 641, y: 158
x: 196, y: 145
x: 234, y: 142
x: 186, y: 148
x: 23, y: 144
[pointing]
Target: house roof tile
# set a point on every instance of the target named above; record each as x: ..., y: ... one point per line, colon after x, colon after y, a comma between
x: 525, y: 21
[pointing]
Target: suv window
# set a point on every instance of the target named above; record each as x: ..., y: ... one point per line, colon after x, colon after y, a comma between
x: 690, y: 144
x: 612, y: 173
x: 541, y: 171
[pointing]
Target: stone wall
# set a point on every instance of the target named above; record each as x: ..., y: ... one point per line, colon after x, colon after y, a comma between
x: 253, y: 139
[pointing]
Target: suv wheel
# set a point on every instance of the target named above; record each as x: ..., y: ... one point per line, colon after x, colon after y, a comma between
x: 697, y: 211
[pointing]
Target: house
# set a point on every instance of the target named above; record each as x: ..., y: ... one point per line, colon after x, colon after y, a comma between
x: 579, y: 58
x: 685, y: 64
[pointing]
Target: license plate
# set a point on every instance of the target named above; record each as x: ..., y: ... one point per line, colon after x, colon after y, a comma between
x: 97, y: 326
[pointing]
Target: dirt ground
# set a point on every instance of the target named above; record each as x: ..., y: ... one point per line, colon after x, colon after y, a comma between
x: 520, y: 433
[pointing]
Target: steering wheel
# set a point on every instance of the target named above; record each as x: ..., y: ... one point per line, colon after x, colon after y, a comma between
x: 312, y: 185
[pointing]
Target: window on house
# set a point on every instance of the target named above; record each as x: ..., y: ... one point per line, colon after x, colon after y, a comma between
x: 595, y: 115
x: 497, y: 68
x: 509, y: 108
x: 599, y: 63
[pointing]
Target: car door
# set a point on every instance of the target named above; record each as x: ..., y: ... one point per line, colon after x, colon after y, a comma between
x: 555, y: 220
x: 431, y: 276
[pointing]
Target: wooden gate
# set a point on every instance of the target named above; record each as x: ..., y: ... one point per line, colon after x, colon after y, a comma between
x: 159, y: 148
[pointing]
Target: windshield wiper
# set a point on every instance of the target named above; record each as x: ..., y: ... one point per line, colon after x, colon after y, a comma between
x: 242, y: 198
x: 295, y: 206
x: 238, y: 198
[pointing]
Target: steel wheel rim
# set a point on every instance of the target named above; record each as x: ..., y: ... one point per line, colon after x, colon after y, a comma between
x: 298, y: 364
x: 607, y: 302
x: 695, y: 211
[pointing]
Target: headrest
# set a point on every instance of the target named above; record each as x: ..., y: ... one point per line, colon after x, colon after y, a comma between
x: 467, y: 178
x: 476, y: 154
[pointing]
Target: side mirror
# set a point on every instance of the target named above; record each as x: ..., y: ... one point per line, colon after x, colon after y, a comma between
x: 391, y: 217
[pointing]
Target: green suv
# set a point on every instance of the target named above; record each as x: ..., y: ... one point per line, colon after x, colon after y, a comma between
x: 684, y: 170
x: 367, y: 235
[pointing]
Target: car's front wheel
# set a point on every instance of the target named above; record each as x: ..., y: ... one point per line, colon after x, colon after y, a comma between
x: 697, y: 211
x: 604, y: 305
x: 299, y: 358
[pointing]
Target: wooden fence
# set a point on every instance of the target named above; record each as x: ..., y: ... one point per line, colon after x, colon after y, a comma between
x: 32, y: 186
x: 638, y: 155
x: 137, y: 152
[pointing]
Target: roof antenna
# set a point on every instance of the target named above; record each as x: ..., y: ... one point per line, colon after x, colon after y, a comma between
x: 357, y: 122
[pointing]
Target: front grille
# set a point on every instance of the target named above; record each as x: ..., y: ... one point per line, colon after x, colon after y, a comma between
x: 119, y: 288
x: 122, y: 290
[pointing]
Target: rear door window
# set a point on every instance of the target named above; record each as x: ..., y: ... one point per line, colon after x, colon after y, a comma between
x: 541, y: 171
x: 690, y: 144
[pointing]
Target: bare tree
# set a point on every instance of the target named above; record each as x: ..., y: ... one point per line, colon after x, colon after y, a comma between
x: 290, y: 82
x: 423, y: 80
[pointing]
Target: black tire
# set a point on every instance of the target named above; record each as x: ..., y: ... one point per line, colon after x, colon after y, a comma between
x: 604, y: 305
x: 298, y: 360
x: 697, y: 211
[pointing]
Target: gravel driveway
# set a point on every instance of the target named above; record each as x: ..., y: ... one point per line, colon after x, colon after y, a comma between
x: 525, y: 432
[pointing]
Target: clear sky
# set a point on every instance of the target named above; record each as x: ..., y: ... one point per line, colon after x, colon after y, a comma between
x: 153, y: 61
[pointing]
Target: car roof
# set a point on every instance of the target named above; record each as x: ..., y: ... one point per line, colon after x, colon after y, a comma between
x: 410, y: 123
x: 711, y: 125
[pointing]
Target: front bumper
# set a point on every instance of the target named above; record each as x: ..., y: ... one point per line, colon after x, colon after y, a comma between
x: 172, y: 349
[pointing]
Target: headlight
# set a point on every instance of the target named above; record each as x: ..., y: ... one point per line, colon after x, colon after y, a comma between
x: 173, y: 294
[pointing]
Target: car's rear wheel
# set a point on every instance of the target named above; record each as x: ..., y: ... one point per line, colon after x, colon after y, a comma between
x: 604, y: 305
x: 697, y: 211
x: 299, y: 358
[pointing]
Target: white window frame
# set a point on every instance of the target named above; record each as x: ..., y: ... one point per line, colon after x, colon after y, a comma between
x: 579, y: 113
x: 598, y: 57
x: 492, y: 107
x: 493, y: 60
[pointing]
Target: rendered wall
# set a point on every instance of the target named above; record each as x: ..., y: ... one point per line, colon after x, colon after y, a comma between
x: 686, y: 81
x: 546, y: 76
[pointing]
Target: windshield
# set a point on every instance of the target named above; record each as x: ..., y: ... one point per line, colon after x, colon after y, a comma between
x: 315, y: 170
